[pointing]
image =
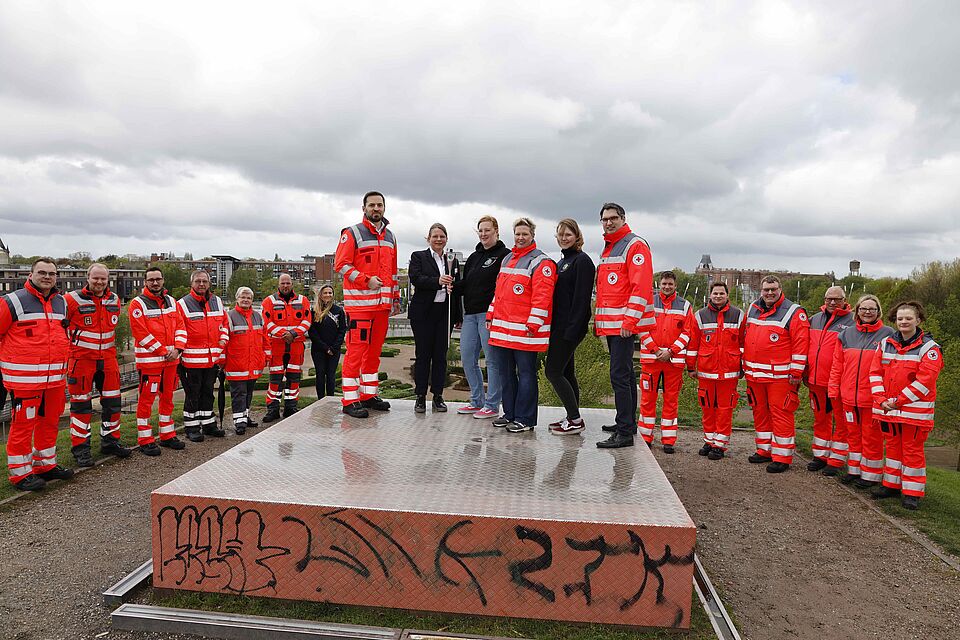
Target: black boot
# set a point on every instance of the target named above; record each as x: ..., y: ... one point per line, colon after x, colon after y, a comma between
x: 777, y: 467
x: 57, y: 473
x: 214, y: 431
x: 910, y: 502
x: 376, y: 402
x: 715, y: 454
x: 883, y: 491
x: 420, y: 406
x: 829, y: 471
x: 193, y: 434
x: 439, y: 404
x: 81, y: 453
x: 289, y: 408
x: 273, y: 412
x: 705, y: 449
x: 816, y: 464
x: 609, y: 428
x: 616, y: 441
x: 756, y: 458
x: 354, y: 410
x: 110, y: 446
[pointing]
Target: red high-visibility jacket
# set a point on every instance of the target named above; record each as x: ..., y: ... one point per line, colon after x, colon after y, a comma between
x: 156, y: 327
x: 776, y: 341
x: 33, y: 339
x: 825, y: 328
x: 205, y: 320
x: 93, y: 324
x: 286, y: 314
x: 519, y: 314
x: 716, y: 342
x: 249, y: 347
x: 852, y: 361
x: 364, y: 252
x: 624, y: 285
x: 908, y: 374
x: 674, y: 317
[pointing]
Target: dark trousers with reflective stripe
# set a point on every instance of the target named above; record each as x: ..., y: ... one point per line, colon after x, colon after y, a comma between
x: 198, y: 398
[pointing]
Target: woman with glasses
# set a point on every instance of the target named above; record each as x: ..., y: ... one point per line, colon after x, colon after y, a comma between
x: 857, y: 439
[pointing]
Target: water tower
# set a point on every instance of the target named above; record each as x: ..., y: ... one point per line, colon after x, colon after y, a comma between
x: 855, y: 267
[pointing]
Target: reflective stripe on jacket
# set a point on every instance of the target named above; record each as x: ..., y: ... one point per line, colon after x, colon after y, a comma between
x: 248, y: 350
x: 908, y: 374
x: 156, y: 327
x: 673, y: 317
x: 363, y: 253
x: 206, y: 323
x: 825, y: 328
x: 776, y: 341
x: 33, y: 339
x: 624, y: 285
x: 280, y: 316
x: 716, y: 343
x: 93, y: 324
x: 852, y: 361
x: 519, y: 314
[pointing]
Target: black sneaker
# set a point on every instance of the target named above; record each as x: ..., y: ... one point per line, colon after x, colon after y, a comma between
x: 273, y: 413
x: 420, y: 406
x: 354, y: 410
x: 777, y: 467
x: 756, y: 458
x: 438, y: 404
x: 609, y: 428
x: 377, y: 403
x: 883, y: 491
x: 830, y: 471
x: 150, y: 449
x: 715, y: 454
x: 82, y: 455
x: 112, y: 447
x: 910, y: 502
x: 816, y: 464
x: 501, y: 422
x: 173, y: 443
x: 519, y: 427
x: 31, y: 483
x: 668, y: 448
x: 57, y: 473
x: 705, y: 450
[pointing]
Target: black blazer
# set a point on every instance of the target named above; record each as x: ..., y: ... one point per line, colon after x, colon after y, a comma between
x: 425, y: 277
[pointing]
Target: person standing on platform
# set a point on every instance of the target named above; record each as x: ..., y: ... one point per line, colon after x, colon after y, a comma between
x: 245, y: 356
x: 904, y: 384
x: 476, y: 288
x: 662, y: 358
x: 624, y: 309
x: 205, y: 320
x: 713, y: 359
x: 860, y: 445
x: 367, y: 259
x: 519, y: 324
x: 93, y: 313
x: 33, y: 359
x: 159, y: 337
x: 327, y: 329
x: 774, y: 357
x: 829, y: 424
x: 287, y: 315
x: 431, y: 315
x: 571, y: 316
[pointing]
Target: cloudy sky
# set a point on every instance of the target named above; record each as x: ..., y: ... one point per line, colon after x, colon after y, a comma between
x: 791, y: 135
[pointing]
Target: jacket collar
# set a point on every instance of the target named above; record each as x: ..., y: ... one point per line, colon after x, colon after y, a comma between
x: 162, y: 298
x: 522, y: 252
x: 499, y: 245
x: 204, y: 299
x: 667, y: 300
x: 33, y: 290
x: 86, y: 293
x: 286, y: 297
x: 722, y: 309
x: 611, y: 238
x: 869, y: 328
x: 762, y: 307
x: 373, y: 229
x: 909, y: 343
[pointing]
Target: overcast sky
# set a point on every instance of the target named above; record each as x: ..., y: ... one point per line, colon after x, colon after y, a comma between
x: 792, y: 135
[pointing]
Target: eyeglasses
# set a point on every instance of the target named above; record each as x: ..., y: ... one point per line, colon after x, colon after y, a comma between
x: 869, y: 310
x: 44, y: 274
x: 834, y: 299
x: 609, y: 219
x: 154, y: 279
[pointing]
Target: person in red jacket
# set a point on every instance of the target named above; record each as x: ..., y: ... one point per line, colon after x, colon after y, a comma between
x: 904, y: 385
x: 825, y: 328
x: 205, y: 319
x: 713, y: 359
x: 367, y: 259
x: 93, y: 313
x: 287, y: 317
x: 624, y: 309
x: 519, y: 324
x: 860, y: 445
x: 662, y: 357
x: 159, y: 337
x: 774, y: 357
x: 245, y: 356
x: 33, y: 359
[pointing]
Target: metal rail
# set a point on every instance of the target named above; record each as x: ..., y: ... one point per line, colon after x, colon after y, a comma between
x: 128, y: 584
x: 719, y: 618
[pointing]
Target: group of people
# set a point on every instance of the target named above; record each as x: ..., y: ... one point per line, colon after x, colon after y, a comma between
x: 872, y: 388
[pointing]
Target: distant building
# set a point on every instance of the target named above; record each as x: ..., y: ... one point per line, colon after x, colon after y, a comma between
x: 222, y: 267
x: 126, y: 283
x: 748, y: 280
x: 4, y: 253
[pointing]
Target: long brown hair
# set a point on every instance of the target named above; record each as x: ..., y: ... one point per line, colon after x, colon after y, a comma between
x: 321, y: 310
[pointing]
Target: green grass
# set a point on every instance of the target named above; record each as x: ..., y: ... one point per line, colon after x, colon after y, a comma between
x: 700, y: 628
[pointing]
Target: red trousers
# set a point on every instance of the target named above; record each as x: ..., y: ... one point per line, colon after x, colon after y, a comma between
x: 156, y: 383
x: 774, y: 404
x: 81, y: 377
x: 669, y: 378
x: 906, y: 466
x: 361, y: 363
x: 32, y: 443
x: 718, y: 399
x: 857, y: 442
x: 827, y: 438
x: 286, y: 360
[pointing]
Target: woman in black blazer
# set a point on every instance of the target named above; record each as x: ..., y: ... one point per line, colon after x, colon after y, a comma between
x: 430, y: 307
x: 327, y: 328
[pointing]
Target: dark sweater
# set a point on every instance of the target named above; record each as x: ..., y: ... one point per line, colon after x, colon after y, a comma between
x: 480, y: 277
x: 572, y: 295
x: 328, y: 334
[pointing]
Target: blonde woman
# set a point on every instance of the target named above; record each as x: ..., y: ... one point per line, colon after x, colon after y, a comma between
x: 327, y: 329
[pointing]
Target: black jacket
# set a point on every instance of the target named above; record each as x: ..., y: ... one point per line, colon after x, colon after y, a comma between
x: 328, y: 334
x: 572, y: 295
x: 480, y: 277
x: 425, y: 277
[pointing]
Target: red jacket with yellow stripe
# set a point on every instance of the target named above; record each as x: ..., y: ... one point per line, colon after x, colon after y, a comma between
x: 33, y: 339
x: 519, y: 314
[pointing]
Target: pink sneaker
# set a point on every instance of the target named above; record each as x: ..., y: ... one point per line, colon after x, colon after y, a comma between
x: 468, y: 409
x: 567, y: 427
x: 484, y: 414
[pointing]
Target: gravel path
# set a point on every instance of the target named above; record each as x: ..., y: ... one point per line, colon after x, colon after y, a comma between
x: 794, y: 556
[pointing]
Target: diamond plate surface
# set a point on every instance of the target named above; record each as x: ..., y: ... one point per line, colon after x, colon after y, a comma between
x: 434, y: 512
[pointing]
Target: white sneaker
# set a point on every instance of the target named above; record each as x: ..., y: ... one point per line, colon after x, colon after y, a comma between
x: 484, y: 414
x: 567, y: 427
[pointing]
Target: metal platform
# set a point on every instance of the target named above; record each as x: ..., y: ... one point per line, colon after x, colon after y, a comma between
x: 432, y: 512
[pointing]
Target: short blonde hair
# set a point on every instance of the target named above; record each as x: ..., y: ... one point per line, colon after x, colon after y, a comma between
x: 243, y: 290
x: 571, y: 224
x: 864, y: 298
x: 525, y: 222
x: 491, y: 220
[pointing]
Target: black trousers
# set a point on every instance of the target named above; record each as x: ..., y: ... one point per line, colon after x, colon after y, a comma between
x: 326, y: 366
x: 198, y: 398
x: 623, y: 379
x: 241, y: 395
x: 430, y: 331
x: 560, y: 371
